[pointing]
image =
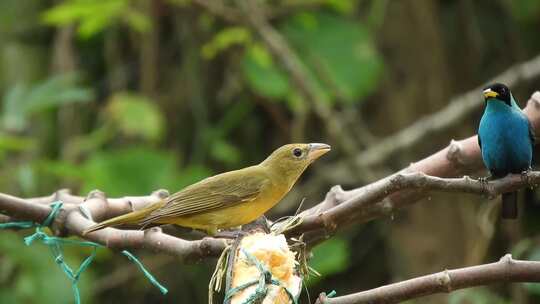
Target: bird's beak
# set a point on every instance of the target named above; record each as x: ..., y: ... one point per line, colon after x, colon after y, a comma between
x: 488, y: 93
x: 317, y: 150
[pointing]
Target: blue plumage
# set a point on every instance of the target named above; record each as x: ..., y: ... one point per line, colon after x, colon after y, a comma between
x: 505, y: 139
x: 504, y: 135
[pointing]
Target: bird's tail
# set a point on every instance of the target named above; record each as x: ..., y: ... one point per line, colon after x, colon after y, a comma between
x: 129, y: 218
x: 509, y: 205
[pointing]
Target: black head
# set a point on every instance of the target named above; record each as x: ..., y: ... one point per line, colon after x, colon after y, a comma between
x: 498, y: 91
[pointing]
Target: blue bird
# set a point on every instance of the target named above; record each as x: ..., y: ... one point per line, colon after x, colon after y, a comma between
x: 506, y: 140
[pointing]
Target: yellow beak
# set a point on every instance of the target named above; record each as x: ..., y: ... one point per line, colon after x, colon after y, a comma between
x: 488, y: 93
x: 317, y: 150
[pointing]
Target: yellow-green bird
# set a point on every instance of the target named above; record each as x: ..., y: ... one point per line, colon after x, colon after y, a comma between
x: 229, y: 199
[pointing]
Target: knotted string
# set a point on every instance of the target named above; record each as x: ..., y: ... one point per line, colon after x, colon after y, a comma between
x: 264, y: 279
x: 55, y: 245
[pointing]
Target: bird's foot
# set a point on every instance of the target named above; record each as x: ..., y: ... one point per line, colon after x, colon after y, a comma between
x: 485, y: 179
x: 525, y: 175
x: 484, y: 183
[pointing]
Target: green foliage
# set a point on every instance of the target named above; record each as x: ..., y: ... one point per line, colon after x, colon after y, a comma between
x: 14, y: 143
x: 135, y: 171
x: 189, y: 175
x: 263, y: 75
x: 18, y: 16
x: 348, y: 61
x: 533, y: 288
x: 225, y: 39
x: 30, y: 275
x: 345, y: 7
x: 94, y: 16
x: 135, y: 115
x: 525, y: 10
x: 346, y: 67
x: 225, y: 152
x: 22, y: 101
x: 217, y: 137
x: 478, y: 295
x: 329, y: 258
x: 124, y: 144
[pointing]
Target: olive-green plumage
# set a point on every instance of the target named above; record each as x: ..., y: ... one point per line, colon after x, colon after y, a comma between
x: 229, y: 199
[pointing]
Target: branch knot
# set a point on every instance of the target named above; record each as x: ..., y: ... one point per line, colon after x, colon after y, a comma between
x: 444, y: 280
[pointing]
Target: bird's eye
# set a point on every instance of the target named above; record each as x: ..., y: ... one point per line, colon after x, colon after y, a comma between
x: 297, y: 152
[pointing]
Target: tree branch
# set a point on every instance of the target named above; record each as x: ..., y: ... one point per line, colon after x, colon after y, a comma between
x: 341, y: 208
x: 72, y: 221
x: 505, y: 270
x: 458, y: 108
x: 368, y: 202
x: 357, y: 206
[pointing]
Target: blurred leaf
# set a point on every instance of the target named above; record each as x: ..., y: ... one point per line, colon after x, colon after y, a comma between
x: 263, y: 75
x: 525, y: 10
x: 137, y: 20
x: 136, y: 115
x: 180, y: 3
x: 16, y: 143
x: 329, y: 258
x: 32, y: 276
x: 377, y: 12
x: 225, y: 152
x: 533, y: 288
x: 62, y: 169
x: 13, y: 108
x: 94, y: 16
x: 347, y: 63
x: 87, y: 143
x: 346, y: 67
x: 234, y: 117
x: 55, y: 92
x: 133, y: 171
x: 137, y: 171
x: 295, y: 102
x: 26, y: 179
x: 477, y: 295
x: 519, y: 249
x: 225, y: 39
x: 189, y: 175
x: 18, y: 16
x: 22, y: 101
x: 345, y: 7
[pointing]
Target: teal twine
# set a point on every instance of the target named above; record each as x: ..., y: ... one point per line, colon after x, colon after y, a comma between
x: 148, y: 275
x: 56, y: 206
x: 331, y: 294
x: 21, y: 225
x: 55, y: 245
x: 264, y: 279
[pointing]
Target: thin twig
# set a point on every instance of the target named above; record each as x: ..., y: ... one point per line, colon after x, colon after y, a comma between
x: 379, y: 199
x: 361, y: 205
x: 339, y: 209
x: 72, y: 221
x: 458, y: 108
x: 505, y: 270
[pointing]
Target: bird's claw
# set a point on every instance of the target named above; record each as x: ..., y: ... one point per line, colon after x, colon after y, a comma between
x: 484, y: 183
x: 525, y: 175
x: 485, y: 179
